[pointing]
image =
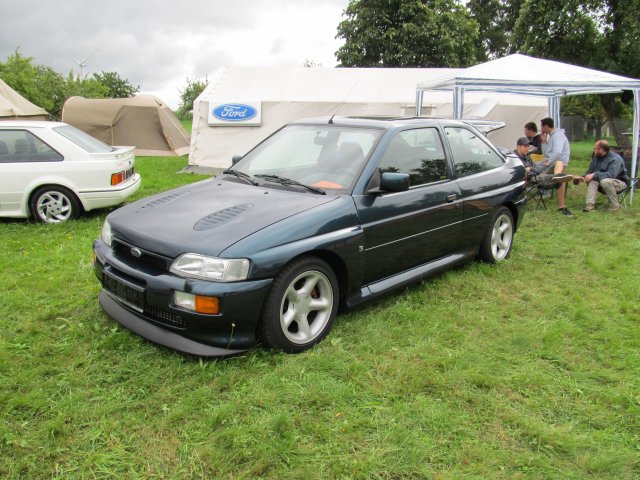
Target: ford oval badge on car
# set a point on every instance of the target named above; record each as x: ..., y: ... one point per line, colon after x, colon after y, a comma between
x: 234, y: 112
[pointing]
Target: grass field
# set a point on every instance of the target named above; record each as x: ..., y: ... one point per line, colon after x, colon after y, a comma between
x: 525, y: 370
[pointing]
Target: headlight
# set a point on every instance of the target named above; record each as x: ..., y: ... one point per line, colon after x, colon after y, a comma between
x: 210, y: 268
x: 106, y: 232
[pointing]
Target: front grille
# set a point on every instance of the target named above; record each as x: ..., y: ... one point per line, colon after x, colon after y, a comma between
x: 122, y: 251
x: 165, y: 318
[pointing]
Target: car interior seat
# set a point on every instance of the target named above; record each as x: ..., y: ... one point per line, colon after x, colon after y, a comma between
x: 21, y: 146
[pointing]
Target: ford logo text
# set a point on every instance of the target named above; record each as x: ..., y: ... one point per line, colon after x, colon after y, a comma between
x: 234, y: 112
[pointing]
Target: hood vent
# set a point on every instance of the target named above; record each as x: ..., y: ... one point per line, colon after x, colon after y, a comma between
x: 162, y: 200
x: 221, y: 216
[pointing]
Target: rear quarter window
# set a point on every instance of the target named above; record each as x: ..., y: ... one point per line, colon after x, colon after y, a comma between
x: 471, y: 154
x: 22, y: 146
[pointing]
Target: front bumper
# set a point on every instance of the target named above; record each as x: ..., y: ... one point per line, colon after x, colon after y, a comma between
x: 139, y: 297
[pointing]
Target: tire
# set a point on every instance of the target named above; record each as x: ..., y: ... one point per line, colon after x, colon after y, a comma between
x: 54, y: 204
x: 301, y: 306
x: 497, y: 241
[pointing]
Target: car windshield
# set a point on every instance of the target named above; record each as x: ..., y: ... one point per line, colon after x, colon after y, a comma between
x: 83, y: 140
x: 326, y: 157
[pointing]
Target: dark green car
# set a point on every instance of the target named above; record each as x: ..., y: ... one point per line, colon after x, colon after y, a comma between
x: 323, y: 214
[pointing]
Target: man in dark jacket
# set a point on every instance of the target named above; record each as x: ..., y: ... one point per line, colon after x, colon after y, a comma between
x: 607, y: 172
x: 522, y: 152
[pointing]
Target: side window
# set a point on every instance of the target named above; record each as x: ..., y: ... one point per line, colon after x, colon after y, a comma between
x: 417, y: 152
x: 471, y: 154
x: 22, y: 146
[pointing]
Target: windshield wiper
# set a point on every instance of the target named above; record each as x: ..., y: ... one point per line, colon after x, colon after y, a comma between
x: 290, y: 181
x: 242, y: 175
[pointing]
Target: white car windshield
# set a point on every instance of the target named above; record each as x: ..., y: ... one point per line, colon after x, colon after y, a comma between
x: 326, y: 157
x: 83, y: 140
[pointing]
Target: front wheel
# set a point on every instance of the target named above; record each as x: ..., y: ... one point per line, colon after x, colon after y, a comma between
x: 301, y: 305
x: 496, y: 245
x: 54, y: 204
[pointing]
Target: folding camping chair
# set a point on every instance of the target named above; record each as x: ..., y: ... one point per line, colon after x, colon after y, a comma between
x: 534, y: 191
x: 622, y: 194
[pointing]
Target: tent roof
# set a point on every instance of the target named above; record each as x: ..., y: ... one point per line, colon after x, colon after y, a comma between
x: 526, y: 75
x: 300, y: 84
x: 12, y: 104
x: 335, y: 85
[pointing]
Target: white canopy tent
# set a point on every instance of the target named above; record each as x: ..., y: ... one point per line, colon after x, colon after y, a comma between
x: 524, y: 75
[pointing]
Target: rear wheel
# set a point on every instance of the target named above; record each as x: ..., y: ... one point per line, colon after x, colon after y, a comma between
x: 301, y: 306
x: 54, y: 204
x: 496, y: 245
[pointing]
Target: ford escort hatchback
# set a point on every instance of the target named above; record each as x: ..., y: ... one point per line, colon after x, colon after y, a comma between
x: 53, y: 171
x: 323, y: 214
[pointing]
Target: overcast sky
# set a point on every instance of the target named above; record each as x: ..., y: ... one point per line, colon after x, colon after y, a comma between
x: 159, y: 44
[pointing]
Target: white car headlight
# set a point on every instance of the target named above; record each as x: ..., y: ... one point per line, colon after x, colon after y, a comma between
x: 106, y: 232
x: 210, y: 268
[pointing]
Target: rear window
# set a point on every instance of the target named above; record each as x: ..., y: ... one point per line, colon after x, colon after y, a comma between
x: 83, y: 140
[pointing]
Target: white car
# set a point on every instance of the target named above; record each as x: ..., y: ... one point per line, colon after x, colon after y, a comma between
x: 54, y: 171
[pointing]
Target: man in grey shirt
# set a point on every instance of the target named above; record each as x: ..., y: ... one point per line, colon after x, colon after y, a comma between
x: 556, y: 151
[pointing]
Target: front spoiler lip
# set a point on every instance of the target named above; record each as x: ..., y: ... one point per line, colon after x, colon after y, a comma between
x: 159, y: 335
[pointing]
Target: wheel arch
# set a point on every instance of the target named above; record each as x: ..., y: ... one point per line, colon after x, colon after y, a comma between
x: 515, y: 213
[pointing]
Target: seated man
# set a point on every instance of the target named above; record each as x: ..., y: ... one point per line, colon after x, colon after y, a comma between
x: 522, y: 152
x: 606, y: 170
x: 556, y: 151
x: 535, y: 142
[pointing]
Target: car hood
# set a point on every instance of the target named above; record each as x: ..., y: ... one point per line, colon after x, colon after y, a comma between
x: 206, y: 217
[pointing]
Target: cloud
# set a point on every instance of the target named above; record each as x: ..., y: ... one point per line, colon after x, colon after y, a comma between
x: 159, y: 44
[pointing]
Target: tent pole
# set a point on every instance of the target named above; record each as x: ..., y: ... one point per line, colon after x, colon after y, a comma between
x: 458, y: 102
x: 553, y: 104
x: 634, y: 140
x: 419, y: 102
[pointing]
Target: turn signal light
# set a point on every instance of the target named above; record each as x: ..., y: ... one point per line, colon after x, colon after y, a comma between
x: 196, y: 303
x: 207, y: 305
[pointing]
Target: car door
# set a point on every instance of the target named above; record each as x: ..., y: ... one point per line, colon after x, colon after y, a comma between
x: 409, y: 228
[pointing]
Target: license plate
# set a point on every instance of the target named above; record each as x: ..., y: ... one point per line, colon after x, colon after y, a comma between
x: 129, y: 294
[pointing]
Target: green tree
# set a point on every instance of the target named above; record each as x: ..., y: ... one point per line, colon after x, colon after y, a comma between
x: 39, y: 84
x: 88, y: 88
x: 600, y: 34
x: 116, y: 86
x: 496, y: 21
x: 188, y: 96
x: 407, y: 33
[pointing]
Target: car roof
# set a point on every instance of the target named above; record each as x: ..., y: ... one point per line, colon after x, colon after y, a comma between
x: 381, y: 122
x: 30, y: 124
x: 388, y: 122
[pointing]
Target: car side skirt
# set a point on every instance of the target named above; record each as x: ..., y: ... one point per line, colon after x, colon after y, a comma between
x: 408, y: 277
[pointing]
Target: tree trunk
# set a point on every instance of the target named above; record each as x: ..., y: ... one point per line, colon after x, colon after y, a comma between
x: 609, y: 106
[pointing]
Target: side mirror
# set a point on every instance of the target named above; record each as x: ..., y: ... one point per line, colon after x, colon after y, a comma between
x: 392, y: 182
x: 235, y: 159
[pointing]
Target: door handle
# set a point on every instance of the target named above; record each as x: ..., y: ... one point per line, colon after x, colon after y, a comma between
x: 452, y: 197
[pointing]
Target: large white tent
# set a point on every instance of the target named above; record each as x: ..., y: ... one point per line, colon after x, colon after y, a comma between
x: 523, y: 75
x: 272, y: 97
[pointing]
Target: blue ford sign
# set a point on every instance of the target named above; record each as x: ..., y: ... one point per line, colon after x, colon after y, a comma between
x: 234, y: 112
